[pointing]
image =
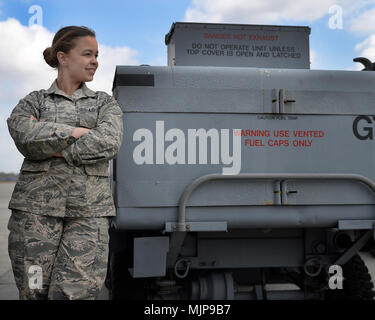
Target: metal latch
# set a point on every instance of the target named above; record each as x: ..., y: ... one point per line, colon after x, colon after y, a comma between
x: 288, y: 192
x: 284, y: 100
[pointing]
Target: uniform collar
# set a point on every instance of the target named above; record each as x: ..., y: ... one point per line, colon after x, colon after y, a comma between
x: 81, y: 92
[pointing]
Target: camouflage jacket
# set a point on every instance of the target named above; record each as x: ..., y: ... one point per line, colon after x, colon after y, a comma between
x: 77, y: 184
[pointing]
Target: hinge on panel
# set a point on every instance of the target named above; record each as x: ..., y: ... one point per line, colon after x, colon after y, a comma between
x: 277, y: 193
x: 280, y: 101
x: 275, y: 100
x: 285, y: 101
x: 288, y: 192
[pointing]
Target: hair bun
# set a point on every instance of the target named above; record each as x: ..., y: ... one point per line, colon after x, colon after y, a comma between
x: 64, y: 40
x: 50, y: 57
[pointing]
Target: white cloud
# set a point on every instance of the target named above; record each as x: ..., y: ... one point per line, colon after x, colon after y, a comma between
x: 366, y: 48
x: 257, y: 11
x: 356, y: 14
x: 108, y: 59
x: 364, y: 23
x: 23, y: 69
x: 313, y: 58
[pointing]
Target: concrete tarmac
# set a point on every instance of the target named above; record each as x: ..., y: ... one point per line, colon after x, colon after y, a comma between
x: 8, y: 289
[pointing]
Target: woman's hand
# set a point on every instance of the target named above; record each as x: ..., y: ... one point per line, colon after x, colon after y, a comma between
x: 76, y: 133
x: 58, y: 155
x: 79, y: 132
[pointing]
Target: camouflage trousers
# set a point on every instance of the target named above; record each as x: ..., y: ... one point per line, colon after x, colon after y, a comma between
x: 58, y: 258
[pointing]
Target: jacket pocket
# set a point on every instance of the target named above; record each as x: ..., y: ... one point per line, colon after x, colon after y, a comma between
x: 16, y: 221
x: 33, y: 182
x: 88, y: 116
x: 35, y: 166
x: 47, y: 110
x: 100, y: 168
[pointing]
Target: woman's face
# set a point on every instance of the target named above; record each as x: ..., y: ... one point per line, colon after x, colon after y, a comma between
x: 81, y: 62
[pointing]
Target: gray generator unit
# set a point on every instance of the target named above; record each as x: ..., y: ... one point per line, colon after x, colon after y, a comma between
x: 242, y: 174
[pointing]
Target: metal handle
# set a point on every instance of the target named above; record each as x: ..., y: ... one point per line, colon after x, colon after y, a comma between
x: 181, y: 224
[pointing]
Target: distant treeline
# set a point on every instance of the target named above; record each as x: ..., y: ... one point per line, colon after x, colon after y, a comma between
x: 8, y: 176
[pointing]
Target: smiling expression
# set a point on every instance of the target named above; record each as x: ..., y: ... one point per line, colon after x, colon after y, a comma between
x: 81, y: 62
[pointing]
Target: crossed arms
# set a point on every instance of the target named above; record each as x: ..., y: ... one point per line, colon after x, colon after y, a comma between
x: 42, y: 140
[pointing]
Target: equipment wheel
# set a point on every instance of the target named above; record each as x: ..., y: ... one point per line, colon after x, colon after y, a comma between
x: 357, y: 284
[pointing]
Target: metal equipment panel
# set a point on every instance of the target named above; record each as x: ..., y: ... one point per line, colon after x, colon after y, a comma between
x: 244, y: 90
x: 209, y: 44
x: 158, y: 158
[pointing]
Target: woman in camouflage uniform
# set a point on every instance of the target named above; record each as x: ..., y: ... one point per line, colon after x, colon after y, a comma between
x: 62, y: 201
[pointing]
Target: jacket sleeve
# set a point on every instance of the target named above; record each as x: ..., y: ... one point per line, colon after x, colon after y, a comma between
x: 37, y: 140
x: 102, y: 142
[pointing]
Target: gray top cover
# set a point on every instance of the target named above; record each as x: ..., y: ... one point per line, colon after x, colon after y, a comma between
x: 237, y: 45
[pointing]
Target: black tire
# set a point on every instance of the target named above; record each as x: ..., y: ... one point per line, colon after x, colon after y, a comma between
x: 372, y: 252
x: 357, y: 283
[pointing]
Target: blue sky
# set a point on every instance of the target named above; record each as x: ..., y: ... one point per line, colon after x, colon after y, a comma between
x: 132, y: 32
x: 143, y: 24
x: 139, y: 24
